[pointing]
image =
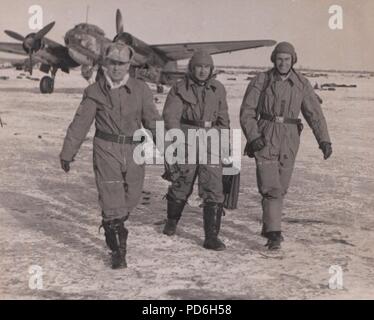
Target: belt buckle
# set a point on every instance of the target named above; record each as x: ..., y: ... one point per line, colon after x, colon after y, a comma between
x: 121, y: 139
x: 208, y: 124
x: 279, y: 119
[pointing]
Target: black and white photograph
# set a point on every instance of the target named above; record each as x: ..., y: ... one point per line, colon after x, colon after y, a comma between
x: 205, y: 150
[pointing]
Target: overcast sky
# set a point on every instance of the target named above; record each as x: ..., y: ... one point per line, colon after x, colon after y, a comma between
x: 302, y: 22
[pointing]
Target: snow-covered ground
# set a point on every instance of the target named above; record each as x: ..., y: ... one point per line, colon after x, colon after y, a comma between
x: 50, y: 219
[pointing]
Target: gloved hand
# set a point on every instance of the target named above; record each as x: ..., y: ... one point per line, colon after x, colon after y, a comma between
x: 326, y: 149
x: 65, y: 165
x: 254, y: 146
x: 172, y: 172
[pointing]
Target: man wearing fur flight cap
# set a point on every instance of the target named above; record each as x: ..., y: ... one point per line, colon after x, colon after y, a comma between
x: 269, y: 118
x: 120, y: 105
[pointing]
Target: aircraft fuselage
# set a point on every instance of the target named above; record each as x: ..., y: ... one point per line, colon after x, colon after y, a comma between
x: 87, y: 43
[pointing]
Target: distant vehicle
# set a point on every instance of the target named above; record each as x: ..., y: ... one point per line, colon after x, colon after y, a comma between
x: 86, y: 43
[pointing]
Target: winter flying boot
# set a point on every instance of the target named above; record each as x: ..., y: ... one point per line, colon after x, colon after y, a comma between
x: 116, y: 239
x: 212, y: 225
x: 174, y: 213
x: 274, y: 240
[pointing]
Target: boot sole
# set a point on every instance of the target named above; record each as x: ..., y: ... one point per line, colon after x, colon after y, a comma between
x: 169, y: 233
x: 119, y: 267
x: 215, y: 249
x: 274, y: 248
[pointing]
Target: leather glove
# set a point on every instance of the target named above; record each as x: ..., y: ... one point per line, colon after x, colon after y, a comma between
x: 65, y: 165
x: 326, y: 149
x: 254, y: 146
x: 172, y: 172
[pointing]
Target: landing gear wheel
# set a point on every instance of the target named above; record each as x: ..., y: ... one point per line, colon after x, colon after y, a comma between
x: 160, y: 88
x: 46, y: 85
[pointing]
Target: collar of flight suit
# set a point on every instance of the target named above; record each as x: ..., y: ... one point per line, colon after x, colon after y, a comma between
x: 208, y: 85
x: 100, y: 92
x: 184, y: 89
x: 106, y: 86
x: 112, y: 85
x: 293, y: 78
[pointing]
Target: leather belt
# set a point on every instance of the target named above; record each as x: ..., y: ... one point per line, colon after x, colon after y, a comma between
x: 199, y: 123
x: 117, y: 138
x: 279, y: 119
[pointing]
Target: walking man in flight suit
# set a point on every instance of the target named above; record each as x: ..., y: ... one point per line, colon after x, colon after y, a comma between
x: 269, y: 118
x: 197, y: 102
x: 120, y: 105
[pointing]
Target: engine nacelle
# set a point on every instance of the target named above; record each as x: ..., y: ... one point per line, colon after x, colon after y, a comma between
x: 30, y: 44
x: 144, y: 54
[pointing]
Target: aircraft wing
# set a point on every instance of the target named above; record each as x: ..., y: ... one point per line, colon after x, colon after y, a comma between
x: 52, y: 54
x: 170, y: 77
x: 181, y: 51
x: 15, y: 48
x: 52, y: 44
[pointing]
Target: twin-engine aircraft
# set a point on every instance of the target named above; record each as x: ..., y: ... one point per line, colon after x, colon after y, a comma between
x: 86, y: 43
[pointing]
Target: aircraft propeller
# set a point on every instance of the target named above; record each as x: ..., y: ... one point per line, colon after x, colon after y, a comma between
x: 14, y: 35
x: 119, y: 22
x: 121, y: 35
x: 32, y: 42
